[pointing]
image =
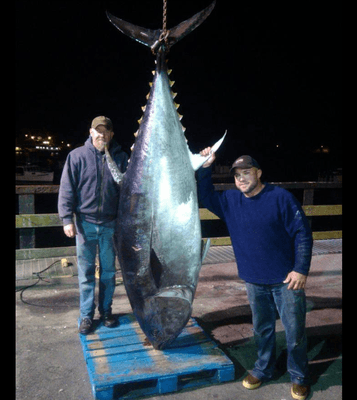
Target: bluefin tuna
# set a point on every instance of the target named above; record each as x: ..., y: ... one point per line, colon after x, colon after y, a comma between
x: 159, y: 239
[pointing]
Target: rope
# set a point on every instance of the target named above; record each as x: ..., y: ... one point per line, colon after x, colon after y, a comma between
x: 165, y: 33
x: 164, y: 17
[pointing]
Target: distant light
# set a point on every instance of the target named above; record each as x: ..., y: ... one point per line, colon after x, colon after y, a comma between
x: 322, y: 149
x: 277, y: 145
x: 68, y: 145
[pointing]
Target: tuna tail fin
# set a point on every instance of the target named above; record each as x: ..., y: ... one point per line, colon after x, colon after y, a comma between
x: 142, y: 35
x: 189, y: 25
x: 150, y: 38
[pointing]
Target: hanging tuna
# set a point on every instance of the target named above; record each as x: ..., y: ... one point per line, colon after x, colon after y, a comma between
x: 159, y: 233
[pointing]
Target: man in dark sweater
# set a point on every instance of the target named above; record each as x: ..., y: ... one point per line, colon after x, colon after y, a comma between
x: 88, y: 190
x: 272, y: 243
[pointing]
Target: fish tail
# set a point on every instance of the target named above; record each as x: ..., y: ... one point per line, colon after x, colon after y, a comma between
x: 154, y: 38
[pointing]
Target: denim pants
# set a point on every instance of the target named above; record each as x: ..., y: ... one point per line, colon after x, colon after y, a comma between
x: 264, y: 300
x: 89, y: 236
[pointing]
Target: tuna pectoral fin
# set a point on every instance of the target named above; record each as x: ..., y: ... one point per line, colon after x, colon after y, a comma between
x: 197, y: 160
x: 113, y: 168
x: 149, y: 37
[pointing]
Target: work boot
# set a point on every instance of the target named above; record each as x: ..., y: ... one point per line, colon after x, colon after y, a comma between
x: 109, y: 320
x: 251, y: 382
x: 299, y: 392
x: 85, y: 326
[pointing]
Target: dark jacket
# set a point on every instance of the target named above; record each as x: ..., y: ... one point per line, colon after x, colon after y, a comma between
x: 270, y: 233
x: 87, y: 188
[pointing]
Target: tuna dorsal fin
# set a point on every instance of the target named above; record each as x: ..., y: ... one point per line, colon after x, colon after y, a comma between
x: 149, y: 37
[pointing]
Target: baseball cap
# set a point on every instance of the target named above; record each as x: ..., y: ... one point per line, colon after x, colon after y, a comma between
x: 245, y: 162
x: 102, y: 121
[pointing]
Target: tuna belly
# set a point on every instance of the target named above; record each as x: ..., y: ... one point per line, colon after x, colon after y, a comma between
x: 175, y: 264
x: 176, y: 247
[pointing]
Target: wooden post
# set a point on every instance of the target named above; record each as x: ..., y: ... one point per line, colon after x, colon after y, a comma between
x: 27, y: 235
x: 308, y: 200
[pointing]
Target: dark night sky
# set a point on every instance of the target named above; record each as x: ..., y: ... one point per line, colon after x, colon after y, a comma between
x: 266, y: 72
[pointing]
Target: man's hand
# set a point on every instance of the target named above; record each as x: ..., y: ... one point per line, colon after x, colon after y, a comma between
x: 205, y: 153
x: 296, y: 280
x: 70, y: 230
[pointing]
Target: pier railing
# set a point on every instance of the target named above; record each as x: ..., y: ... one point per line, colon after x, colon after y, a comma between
x: 27, y: 220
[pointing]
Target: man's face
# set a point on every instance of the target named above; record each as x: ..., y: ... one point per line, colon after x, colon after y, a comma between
x: 101, y: 136
x: 248, y: 180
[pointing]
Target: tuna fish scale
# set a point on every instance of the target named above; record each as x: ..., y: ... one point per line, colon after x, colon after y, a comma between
x: 159, y: 231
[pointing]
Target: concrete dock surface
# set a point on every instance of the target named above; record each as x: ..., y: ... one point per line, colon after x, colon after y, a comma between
x: 49, y: 357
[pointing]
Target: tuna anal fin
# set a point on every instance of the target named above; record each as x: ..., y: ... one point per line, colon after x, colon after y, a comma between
x: 197, y: 160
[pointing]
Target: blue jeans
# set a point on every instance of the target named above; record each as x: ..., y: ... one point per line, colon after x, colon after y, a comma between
x: 291, y: 305
x: 89, y: 236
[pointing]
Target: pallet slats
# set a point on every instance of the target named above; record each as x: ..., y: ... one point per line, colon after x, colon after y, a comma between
x: 122, y: 366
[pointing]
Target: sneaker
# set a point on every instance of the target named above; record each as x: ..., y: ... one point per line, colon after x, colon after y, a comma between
x: 299, y: 392
x: 251, y: 382
x: 85, y: 326
x: 109, y: 320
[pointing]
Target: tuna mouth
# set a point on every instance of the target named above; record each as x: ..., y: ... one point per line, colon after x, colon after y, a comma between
x: 183, y: 292
x: 166, y: 314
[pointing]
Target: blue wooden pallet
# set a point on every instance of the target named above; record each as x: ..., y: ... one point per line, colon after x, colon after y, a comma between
x: 121, y: 365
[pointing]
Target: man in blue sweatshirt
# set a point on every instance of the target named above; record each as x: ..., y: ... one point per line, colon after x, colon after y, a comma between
x: 88, y: 191
x: 272, y: 243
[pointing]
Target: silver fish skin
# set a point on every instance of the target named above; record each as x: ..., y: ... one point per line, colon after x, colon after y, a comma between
x: 158, y: 226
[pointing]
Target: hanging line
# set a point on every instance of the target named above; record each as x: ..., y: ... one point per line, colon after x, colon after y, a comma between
x: 165, y: 33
